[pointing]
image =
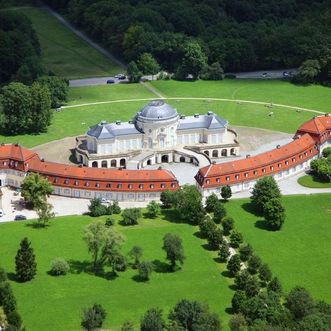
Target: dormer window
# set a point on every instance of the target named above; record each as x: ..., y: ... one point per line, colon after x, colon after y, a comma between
x: 227, y: 178
x: 173, y: 185
x: 76, y: 182
x: 97, y: 184
x: 271, y: 168
x: 66, y: 181
x: 119, y: 185
x: 151, y: 186
x: 218, y: 180
x: 141, y: 186
x: 87, y: 184
x: 108, y: 185
x: 255, y: 172
x: 246, y: 174
x: 130, y: 186
x: 207, y: 181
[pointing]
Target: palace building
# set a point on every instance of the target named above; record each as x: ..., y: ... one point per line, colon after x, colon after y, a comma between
x: 157, y: 134
x: 310, y: 139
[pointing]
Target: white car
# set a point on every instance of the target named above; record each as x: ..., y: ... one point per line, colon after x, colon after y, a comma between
x: 103, y: 200
x: 1, y: 213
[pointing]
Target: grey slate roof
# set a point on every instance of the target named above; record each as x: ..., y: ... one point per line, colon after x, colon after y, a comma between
x: 209, y: 121
x: 156, y: 110
x: 104, y: 130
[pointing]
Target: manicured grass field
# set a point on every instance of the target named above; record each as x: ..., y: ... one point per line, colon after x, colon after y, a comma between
x: 313, y: 182
x: 76, y: 120
x: 56, y: 303
x: 300, y: 253
x: 275, y: 91
x: 63, y: 52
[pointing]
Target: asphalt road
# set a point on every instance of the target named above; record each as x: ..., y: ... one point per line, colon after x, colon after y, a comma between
x: 264, y: 74
x: 94, y: 81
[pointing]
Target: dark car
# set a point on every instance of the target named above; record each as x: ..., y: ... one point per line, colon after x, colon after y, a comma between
x: 20, y: 218
x: 110, y: 81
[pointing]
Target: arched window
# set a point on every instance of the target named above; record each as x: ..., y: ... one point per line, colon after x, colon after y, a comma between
x: 113, y: 163
x: 122, y: 162
x: 224, y: 152
x: 164, y: 159
x: 95, y: 164
x: 215, y: 153
x: 104, y: 164
x: 182, y: 159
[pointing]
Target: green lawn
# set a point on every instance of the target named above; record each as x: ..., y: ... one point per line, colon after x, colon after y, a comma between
x: 63, y: 52
x: 55, y: 303
x: 276, y: 91
x: 313, y: 182
x: 300, y: 253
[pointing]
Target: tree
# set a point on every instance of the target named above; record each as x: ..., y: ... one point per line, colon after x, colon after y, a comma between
x: 14, y: 320
x: 236, y: 239
x: 96, y: 208
x: 145, y: 269
x: 172, y: 244
x: 3, y: 275
x: 193, y: 316
x: 274, y: 214
x: 228, y: 225
x: 238, y: 301
x: 17, y: 108
x: 219, y: 212
x: 241, y: 279
x: 7, y: 299
x: 188, y: 204
x: 194, y: 60
x: 252, y: 287
x: 211, y: 201
x: 153, y: 209
x: 299, y: 302
x: 58, y: 88
x: 226, y: 192
x: 93, y: 317
x: 45, y: 213
x: 326, y: 152
x: 234, y: 265
x: 152, y: 320
x: 254, y: 264
x: 35, y: 189
x: 167, y: 198
x: 224, y: 252
x: 264, y: 190
x: 148, y: 65
x: 103, y: 243
x: 136, y: 253
x: 115, y: 208
x: 275, y: 286
x: 206, y: 227
x: 133, y: 73
x: 238, y: 323
x: 130, y: 216
x: 265, y: 273
x: 307, y: 72
x: 41, y: 113
x: 59, y: 267
x: 215, y: 238
x: 25, y: 260
x: 213, y: 72
x: 246, y: 252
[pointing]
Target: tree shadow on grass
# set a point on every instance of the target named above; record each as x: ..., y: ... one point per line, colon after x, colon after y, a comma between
x: 139, y: 279
x: 161, y: 267
x: 171, y: 216
x: 12, y: 276
x: 37, y: 225
x: 262, y: 225
x: 229, y: 310
x: 77, y: 267
x: 199, y: 235
x: 250, y: 208
x: 227, y: 274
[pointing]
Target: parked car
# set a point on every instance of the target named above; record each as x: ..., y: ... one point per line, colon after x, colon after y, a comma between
x: 110, y: 81
x: 265, y: 74
x: 120, y: 76
x: 103, y: 200
x: 1, y: 213
x: 20, y: 218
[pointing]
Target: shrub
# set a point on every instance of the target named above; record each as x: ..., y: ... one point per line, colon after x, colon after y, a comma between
x: 245, y: 252
x: 219, y: 212
x: 97, y: 209
x: 228, y: 225
x: 153, y: 209
x: 130, y: 216
x: 326, y: 152
x: 145, y: 269
x: 236, y: 239
x: 93, y: 317
x: 110, y: 221
x: 115, y: 208
x: 59, y: 267
x: 254, y: 264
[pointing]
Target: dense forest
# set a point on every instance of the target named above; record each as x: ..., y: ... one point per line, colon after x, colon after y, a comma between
x: 241, y: 35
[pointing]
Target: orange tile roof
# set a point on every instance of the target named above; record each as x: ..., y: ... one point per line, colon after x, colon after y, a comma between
x: 16, y: 152
x: 63, y: 170
x: 260, y: 160
x: 317, y: 125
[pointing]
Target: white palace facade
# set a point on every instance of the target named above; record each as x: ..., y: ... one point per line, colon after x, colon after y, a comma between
x: 157, y: 134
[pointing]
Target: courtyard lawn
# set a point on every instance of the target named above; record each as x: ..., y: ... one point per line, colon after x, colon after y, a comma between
x: 56, y: 303
x: 313, y: 182
x: 274, y: 91
x: 63, y: 52
x: 300, y: 253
